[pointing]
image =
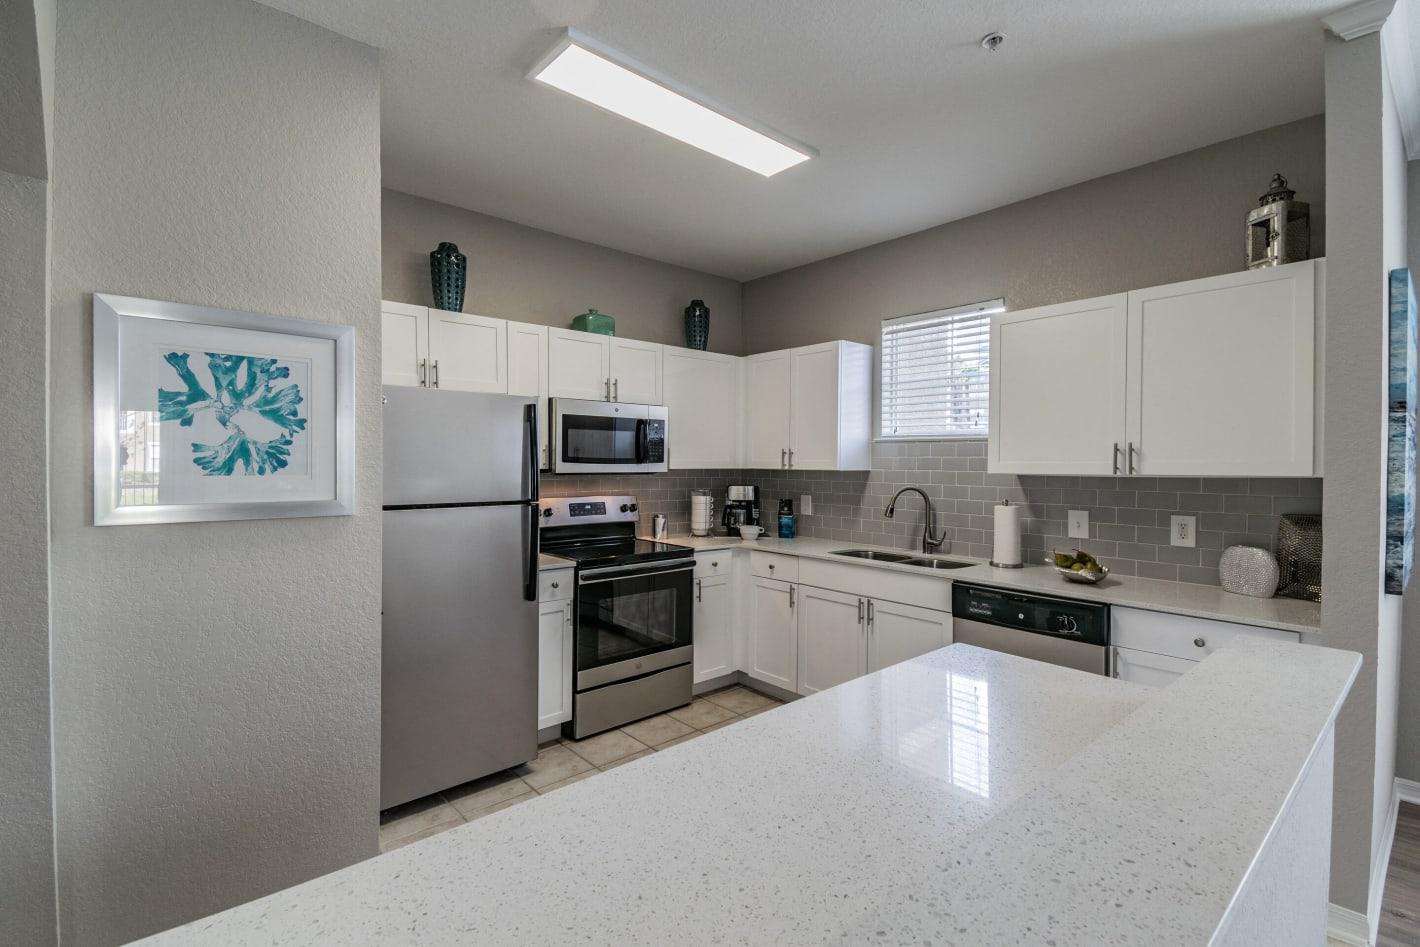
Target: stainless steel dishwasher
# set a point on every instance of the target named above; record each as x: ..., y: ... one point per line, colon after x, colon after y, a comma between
x: 1055, y: 630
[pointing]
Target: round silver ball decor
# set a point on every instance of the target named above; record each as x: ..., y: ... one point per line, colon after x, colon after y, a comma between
x: 1248, y: 570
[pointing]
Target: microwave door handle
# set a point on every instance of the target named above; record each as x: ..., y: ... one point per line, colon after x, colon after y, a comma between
x: 641, y: 438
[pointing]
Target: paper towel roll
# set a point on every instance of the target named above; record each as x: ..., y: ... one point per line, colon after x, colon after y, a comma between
x: 1006, y: 551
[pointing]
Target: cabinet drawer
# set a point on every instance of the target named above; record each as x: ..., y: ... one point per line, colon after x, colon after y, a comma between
x: 554, y: 585
x: 1178, y: 635
x: 715, y: 562
x: 770, y: 565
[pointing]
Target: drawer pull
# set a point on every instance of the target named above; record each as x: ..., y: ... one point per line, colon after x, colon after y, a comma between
x: 555, y: 585
x: 714, y: 565
x: 771, y: 567
x: 1199, y: 643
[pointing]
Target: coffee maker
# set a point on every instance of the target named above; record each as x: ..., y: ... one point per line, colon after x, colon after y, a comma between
x: 741, y: 508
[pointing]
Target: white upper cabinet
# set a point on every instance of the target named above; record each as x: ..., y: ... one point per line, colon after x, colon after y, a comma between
x: 1211, y: 377
x: 404, y: 344
x: 1221, y: 374
x: 702, y: 393
x: 1057, y: 388
x: 808, y: 408
x: 527, y: 371
x: 899, y: 632
x: 766, y: 410
x: 578, y: 365
x: 635, y: 369
x: 467, y: 352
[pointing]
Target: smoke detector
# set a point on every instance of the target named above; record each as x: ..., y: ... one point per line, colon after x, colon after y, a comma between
x: 992, y: 42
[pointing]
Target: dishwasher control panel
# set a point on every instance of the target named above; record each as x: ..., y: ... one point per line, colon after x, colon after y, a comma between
x: 1061, y: 618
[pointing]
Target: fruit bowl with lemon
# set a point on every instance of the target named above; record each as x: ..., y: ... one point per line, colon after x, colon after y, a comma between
x: 1078, y: 566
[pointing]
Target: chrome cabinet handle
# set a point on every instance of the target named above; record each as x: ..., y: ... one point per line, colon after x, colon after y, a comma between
x: 699, y: 591
x: 1131, y: 458
x: 616, y: 389
x: 791, y: 458
x: 792, y: 588
x: 870, y: 611
x: 606, y: 384
x: 423, y: 373
x: 434, y: 370
x: 860, y: 611
x: 1115, y: 662
x: 1116, y: 458
x: 1199, y: 643
x: 783, y: 461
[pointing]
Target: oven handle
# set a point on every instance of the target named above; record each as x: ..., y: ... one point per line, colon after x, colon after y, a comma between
x: 612, y: 573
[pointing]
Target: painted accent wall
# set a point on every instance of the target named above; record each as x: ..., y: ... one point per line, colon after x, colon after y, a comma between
x: 517, y: 272
x: 1176, y: 219
x: 216, y: 685
x: 1407, y: 754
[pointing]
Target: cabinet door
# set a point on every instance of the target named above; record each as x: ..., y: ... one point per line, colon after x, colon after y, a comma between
x: 635, y: 370
x: 832, y: 638
x: 578, y: 365
x: 404, y: 344
x: 1221, y: 374
x: 1145, y: 667
x: 814, y: 406
x: 900, y: 632
x: 773, y: 638
x: 1057, y: 388
x: 713, y: 628
x: 467, y: 352
x: 702, y: 394
x: 766, y: 410
x: 554, y: 663
x: 527, y: 371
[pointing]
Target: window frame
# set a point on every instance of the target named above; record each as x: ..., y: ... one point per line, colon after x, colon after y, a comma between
x: 986, y: 308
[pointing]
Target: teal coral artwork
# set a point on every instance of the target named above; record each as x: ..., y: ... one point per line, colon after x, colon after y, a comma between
x: 251, y: 398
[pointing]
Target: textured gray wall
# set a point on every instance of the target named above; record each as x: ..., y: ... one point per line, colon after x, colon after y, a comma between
x: 1353, y: 607
x: 516, y: 272
x: 1175, y: 219
x: 26, y: 814
x: 216, y: 685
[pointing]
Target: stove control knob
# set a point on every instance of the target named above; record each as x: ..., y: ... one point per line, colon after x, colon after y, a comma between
x: 633, y: 507
x: 624, y: 507
x: 547, y: 513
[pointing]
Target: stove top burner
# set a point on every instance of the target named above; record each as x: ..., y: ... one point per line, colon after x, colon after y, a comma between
x: 617, y: 552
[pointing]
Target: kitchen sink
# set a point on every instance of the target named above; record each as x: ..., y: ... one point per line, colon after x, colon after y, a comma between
x: 931, y: 562
x: 874, y: 555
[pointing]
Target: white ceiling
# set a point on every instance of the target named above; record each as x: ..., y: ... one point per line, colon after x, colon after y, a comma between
x: 915, y: 123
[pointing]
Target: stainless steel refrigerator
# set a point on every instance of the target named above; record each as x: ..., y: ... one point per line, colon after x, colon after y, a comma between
x: 459, y: 668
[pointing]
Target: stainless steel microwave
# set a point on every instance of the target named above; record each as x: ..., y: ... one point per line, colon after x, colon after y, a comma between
x: 607, y: 437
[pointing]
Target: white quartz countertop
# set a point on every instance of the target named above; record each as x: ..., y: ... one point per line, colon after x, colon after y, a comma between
x: 546, y: 561
x: 1182, y: 598
x: 964, y: 797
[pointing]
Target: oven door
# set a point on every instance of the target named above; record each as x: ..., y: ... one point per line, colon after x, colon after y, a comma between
x: 607, y: 437
x: 632, y: 620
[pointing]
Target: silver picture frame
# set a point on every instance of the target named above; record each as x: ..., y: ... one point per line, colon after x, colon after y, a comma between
x: 109, y: 311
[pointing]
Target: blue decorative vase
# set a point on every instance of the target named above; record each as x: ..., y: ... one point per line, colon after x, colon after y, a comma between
x: 697, y: 324
x: 448, y: 272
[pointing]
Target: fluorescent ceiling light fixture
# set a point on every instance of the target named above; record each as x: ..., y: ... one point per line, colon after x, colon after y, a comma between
x: 585, y: 68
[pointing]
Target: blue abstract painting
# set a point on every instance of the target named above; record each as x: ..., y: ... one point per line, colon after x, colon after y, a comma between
x: 253, y: 401
x: 1400, y: 447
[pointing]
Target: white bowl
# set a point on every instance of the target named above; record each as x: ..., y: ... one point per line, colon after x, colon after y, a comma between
x: 751, y: 532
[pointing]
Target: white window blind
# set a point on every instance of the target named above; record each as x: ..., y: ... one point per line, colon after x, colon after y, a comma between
x: 935, y: 371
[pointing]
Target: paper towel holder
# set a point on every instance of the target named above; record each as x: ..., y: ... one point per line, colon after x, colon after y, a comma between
x: 1006, y: 565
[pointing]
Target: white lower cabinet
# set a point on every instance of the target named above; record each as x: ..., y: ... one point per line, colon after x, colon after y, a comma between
x: 899, y: 632
x: 1155, y: 648
x: 773, y: 647
x: 1145, y: 667
x: 832, y: 638
x: 554, y: 649
x: 714, y: 627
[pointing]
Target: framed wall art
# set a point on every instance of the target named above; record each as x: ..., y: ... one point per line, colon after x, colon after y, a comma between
x: 1400, y: 435
x: 212, y: 414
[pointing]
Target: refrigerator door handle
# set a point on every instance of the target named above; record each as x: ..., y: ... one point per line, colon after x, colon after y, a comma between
x: 530, y: 548
x: 531, y: 454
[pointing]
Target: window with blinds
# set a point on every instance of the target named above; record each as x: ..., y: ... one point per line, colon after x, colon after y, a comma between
x: 935, y: 370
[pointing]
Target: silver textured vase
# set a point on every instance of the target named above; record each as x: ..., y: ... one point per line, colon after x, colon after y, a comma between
x: 1248, y: 570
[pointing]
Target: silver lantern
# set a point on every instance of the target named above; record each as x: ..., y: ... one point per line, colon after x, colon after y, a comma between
x: 1279, y: 229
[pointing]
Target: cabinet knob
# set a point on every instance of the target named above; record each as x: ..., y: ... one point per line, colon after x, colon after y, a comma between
x: 771, y: 567
x: 714, y: 565
x: 1199, y: 643
x: 555, y: 585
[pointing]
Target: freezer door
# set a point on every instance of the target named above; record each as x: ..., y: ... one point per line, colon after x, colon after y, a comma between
x: 459, y: 669
x: 458, y: 447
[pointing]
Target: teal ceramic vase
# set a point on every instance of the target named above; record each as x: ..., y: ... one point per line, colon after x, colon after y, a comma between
x: 697, y: 325
x: 593, y: 321
x: 448, y: 272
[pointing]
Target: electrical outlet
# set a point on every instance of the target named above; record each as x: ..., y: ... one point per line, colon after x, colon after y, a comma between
x: 1183, y: 530
x: 806, y: 504
x: 1079, y: 522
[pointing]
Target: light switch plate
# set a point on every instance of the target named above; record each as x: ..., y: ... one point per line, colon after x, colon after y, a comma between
x: 1183, y: 531
x: 806, y: 504
x: 1079, y: 524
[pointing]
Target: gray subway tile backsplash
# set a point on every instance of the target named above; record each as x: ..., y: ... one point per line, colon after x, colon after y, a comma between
x: 1129, y: 516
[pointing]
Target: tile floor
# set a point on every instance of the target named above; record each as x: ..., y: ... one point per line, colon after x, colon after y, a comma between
x: 563, y: 762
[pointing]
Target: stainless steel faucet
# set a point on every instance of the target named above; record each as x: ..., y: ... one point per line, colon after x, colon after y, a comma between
x: 930, y: 542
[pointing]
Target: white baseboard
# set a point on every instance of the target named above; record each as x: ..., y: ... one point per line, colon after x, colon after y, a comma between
x: 1381, y: 862
x: 1408, y: 790
x: 1347, y: 926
